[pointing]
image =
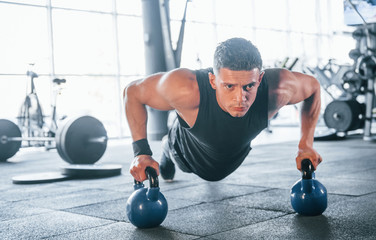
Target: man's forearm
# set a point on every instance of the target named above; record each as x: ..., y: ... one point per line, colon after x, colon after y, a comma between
x: 309, y: 116
x: 136, y: 113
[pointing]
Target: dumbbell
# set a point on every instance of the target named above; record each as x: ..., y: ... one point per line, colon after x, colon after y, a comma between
x: 147, y: 207
x: 308, y: 195
x: 81, y: 140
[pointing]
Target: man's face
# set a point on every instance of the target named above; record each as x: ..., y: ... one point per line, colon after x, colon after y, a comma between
x: 236, y: 90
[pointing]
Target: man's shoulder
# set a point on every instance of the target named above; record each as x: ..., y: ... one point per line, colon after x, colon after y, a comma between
x: 185, y: 73
x: 181, y: 75
x: 272, y: 73
x: 179, y: 84
x: 179, y: 87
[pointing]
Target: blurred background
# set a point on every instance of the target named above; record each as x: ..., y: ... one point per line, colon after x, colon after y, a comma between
x: 98, y: 47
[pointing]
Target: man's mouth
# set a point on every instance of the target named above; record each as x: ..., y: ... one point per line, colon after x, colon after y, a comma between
x: 240, y: 109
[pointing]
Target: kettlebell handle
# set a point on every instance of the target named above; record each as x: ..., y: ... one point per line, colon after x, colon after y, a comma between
x: 152, y: 176
x: 307, y: 169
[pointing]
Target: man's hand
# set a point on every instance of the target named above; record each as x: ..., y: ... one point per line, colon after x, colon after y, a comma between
x: 139, y: 164
x: 308, y: 153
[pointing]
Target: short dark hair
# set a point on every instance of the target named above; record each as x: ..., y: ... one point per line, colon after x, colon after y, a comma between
x: 237, y: 54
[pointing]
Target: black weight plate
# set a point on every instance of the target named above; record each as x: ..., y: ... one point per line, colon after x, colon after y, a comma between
x: 46, y: 177
x: 9, y: 148
x: 74, y: 140
x: 357, y: 109
x: 91, y: 170
x: 58, y: 139
x: 338, y: 115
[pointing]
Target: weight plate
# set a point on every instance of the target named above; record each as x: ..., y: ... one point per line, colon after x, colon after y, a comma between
x: 358, y: 113
x: 58, y: 140
x: 338, y: 115
x: 91, y: 171
x: 74, y: 140
x: 46, y: 177
x: 344, y: 115
x: 8, y: 148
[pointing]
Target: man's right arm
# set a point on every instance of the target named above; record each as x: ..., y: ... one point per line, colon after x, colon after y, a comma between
x: 137, y: 95
x: 161, y: 91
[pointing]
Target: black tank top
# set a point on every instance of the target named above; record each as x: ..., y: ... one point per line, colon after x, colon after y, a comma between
x: 218, y: 143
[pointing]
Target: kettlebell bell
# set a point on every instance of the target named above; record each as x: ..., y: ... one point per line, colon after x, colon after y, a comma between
x: 308, y: 196
x: 147, y: 207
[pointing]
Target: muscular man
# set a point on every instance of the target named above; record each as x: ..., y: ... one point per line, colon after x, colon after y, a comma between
x: 219, y: 112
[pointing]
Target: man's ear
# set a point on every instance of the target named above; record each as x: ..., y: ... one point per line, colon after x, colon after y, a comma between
x: 261, y: 76
x: 212, y: 80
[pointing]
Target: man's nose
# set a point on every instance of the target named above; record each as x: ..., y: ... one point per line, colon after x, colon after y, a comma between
x: 241, y: 95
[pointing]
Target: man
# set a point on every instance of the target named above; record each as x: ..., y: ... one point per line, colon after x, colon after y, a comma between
x: 219, y: 112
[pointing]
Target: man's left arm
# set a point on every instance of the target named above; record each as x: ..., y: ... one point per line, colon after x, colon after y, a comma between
x: 292, y: 88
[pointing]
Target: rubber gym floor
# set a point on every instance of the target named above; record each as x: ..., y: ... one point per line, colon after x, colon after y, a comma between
x: 252, y: 203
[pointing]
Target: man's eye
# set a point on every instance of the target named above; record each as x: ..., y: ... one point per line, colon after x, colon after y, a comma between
x: 249, y: 86
x: 229, y: 86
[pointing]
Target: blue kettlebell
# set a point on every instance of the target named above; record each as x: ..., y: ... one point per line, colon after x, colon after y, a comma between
x: 308, y: 196
x: 147, y: 207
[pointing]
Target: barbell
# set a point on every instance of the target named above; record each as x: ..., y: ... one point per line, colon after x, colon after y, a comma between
x: 4, y: 139
x: 81, y: 140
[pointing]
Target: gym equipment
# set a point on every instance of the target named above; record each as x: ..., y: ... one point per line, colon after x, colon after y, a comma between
x: 46, y: 177
x: 364, y: 57
x: 8, y: 149
x: 308, y: 196
x: 335, y: 78
x: 31, y: 119
x: 70, y: 172
x: 82, y: 140
x: 81, y: 171
x: 147, y: 207
x: 344, y: 82
x: 344, y: 115
x: 327, y: 135
x: 352, y: 84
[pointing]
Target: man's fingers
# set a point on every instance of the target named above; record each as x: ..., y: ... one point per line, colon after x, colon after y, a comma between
x: 298, y: 164
x: 134, y: 174
x: 137, y: 174
x: 138, y: 166
x: 316, y: 162
x: 319, y: 160
x: 139, y: 177
x: 142, y: 176
x: 155, y: 165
